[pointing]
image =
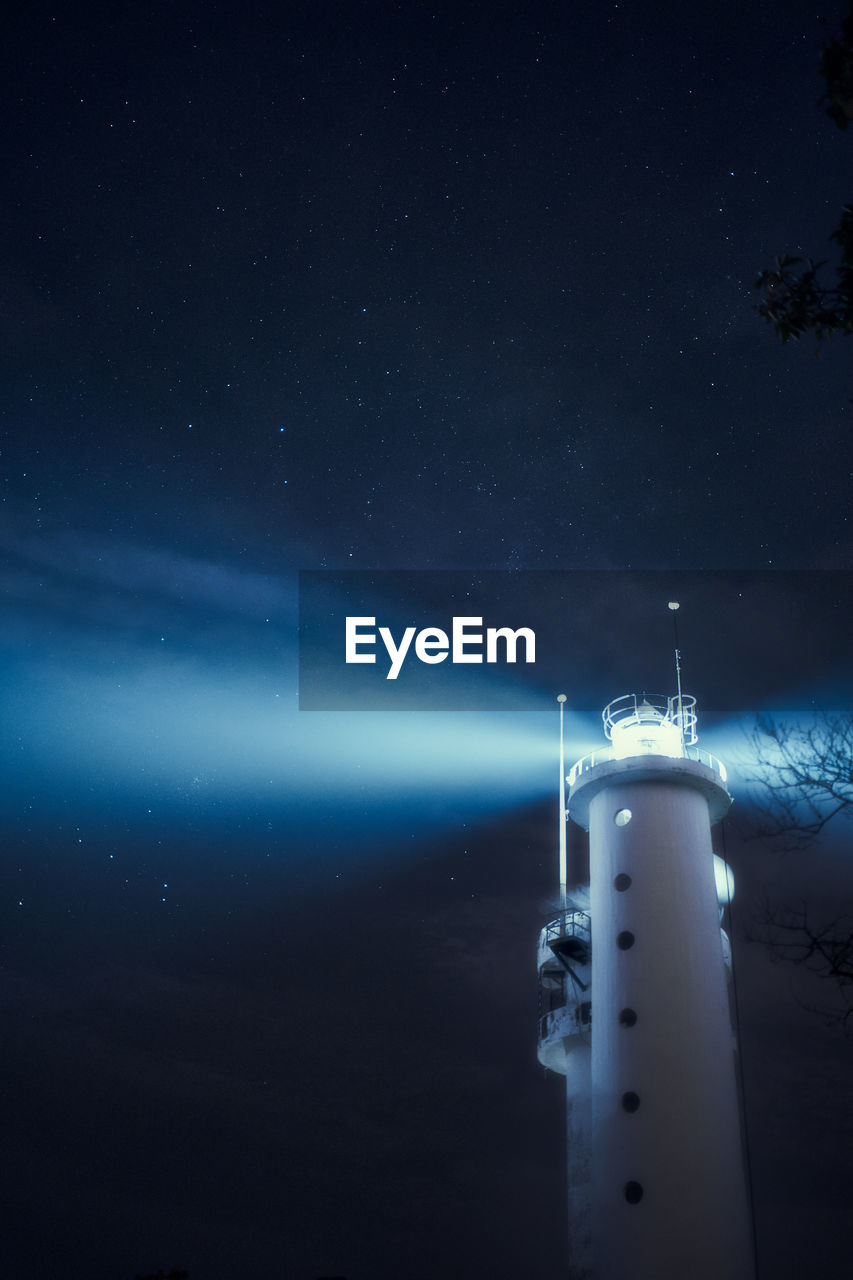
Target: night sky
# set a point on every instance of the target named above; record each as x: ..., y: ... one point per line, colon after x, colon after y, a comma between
x: 375, y: 286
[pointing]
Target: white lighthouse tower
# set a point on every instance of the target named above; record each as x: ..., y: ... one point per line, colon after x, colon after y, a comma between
x: 636, y: 1014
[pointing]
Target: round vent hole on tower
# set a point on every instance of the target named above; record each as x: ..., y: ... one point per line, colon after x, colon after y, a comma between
x: 633, y: 1192
x: 630, y: 1101
x: 622, y: 817
x: 622, y: 882
x: 625, y: 939
x: 627, y: 1017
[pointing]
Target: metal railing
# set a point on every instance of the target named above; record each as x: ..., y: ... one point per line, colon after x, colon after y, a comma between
x: 604, y: 754
x: 652, y: 709
x: 572, y: 924
x: 571, y: 1018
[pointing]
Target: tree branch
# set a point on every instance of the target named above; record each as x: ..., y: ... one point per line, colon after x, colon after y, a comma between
x: 802, y: 775
x: 825, y: 950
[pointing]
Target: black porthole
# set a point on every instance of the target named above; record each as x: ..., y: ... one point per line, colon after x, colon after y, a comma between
x: 630, y: 1101
x: 627, y: 1017
x: 633, y: 1192
x: 622, y: 882
x: 625, y: 939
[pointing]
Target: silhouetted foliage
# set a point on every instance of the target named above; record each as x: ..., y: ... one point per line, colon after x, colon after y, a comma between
x: 796, y: 299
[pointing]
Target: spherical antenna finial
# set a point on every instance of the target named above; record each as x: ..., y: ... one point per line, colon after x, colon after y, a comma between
x: 561, y: 697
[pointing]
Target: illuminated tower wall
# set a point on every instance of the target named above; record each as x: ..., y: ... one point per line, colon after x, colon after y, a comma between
x: 666, y: 1194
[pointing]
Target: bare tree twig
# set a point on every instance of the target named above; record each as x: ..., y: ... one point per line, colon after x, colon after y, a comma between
x: 802, y: 779
x: 825, y: 950
x: 802, y: 775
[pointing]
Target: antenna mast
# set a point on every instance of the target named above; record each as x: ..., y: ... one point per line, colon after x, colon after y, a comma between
x: 675, y: 606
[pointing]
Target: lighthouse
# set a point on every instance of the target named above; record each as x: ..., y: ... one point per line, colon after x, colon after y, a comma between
x: 635, y: 990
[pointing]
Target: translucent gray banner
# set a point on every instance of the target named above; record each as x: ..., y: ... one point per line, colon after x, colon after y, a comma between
x: 493, y: 640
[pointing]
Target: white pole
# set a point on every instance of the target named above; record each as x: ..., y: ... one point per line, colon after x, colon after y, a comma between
x: 561, y: 698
